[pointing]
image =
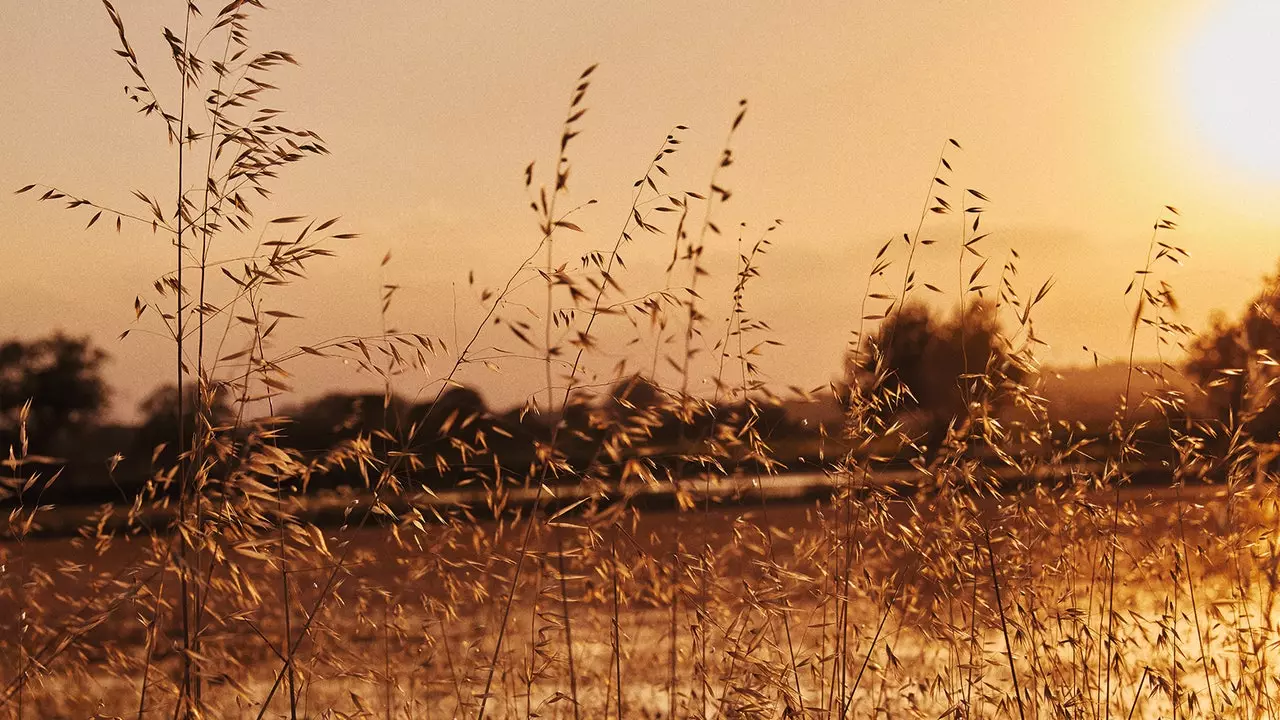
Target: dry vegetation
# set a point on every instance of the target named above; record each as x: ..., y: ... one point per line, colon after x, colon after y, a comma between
x: 217, y: 592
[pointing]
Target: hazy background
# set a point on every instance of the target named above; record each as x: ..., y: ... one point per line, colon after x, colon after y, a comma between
x: 1079, y: 119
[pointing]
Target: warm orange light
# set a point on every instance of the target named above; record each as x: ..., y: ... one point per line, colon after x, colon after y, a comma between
x: 1233, y: 83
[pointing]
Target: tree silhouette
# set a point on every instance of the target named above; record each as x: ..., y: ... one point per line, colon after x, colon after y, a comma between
x: 1236, y: 363
x: 61, y: 376
x: 457, y: 410
x: 1217, y: 360
x: 932, y: 369
x: 322, y: 423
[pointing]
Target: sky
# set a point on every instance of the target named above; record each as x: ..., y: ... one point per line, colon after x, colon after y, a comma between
x: 1079, y: 120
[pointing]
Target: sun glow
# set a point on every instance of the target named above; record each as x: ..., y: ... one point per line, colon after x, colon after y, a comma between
x: 1232, y: 78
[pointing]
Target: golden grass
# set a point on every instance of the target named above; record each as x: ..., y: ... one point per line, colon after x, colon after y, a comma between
x: 217, y: 593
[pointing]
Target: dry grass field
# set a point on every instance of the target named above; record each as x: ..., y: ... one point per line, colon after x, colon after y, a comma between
x: 406, y: 628
x: 217, y: 591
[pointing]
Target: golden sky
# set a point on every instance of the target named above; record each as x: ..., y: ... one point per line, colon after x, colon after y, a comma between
x: 1080, y: 119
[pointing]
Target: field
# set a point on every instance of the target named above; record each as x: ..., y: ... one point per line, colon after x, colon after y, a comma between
x: 707, y: 614
x: 634, y: 540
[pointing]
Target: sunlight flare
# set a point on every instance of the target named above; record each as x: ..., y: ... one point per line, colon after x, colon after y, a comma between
x: 1233, y: 85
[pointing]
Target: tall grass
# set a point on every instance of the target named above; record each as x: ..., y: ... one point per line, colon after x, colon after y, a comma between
x: 1010, y: 568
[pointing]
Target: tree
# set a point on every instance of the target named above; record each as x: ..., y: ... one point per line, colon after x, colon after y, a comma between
x: 1217, y: 360
x: 1236, y: 363
x: 457, y: 409
x: 918, y: 365
x: 61, y: 376
x: 643, y: 411
x: 635, y: 395
x: 324, y: 422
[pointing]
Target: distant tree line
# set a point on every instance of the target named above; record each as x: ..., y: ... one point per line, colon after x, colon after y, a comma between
x: 455, y: 438
x: 937, y: 369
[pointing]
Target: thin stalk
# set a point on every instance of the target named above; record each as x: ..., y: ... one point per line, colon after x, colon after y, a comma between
x: 1004, y: 627
x: 617, y: 635
x: 1138, y: 693
x: 695, y: 254
x: 152, y: 632
x: 533, y: 645
x: 907, y: 274
x: 973, y: 634
x: 201, y: 381
x: 568, y: 624
x: 675, y: 604
x: 183, y: 461
x: 847, y: 700
x: 453, y: 675
x: 1115, y: 510
x: 386, y: 655
x: 1195, y: 610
